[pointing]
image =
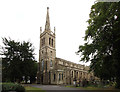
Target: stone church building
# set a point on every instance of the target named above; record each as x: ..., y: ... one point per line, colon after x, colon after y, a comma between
x: 54, y: 70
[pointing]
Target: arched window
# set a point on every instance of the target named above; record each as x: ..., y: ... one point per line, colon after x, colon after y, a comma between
x: 49, y: 41
x: 50, y: 53
x: 52, y: 42
x: 46, y: 66
x: 72, y: 73
x: 62, y: 76
x: 42, y: 64
x: 43, y: 41
x: 59, y: 77
x: 77, y: 74
x: 54, y: 76
x: 49, y: 75
x: 51, y: 63
x: 42, y: 51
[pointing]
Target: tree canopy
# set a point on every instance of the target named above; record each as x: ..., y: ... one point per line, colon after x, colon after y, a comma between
x: 18, y: 61
x: 102, y: 46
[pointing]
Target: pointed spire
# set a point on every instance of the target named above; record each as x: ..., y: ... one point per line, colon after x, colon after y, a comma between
x: 47, y: 25
x: 40, y: 30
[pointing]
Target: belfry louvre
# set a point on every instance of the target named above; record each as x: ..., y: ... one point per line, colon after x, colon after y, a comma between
x: 53, y: 70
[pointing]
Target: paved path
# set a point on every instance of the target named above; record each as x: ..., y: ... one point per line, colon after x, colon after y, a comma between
x: 57, y: 88
x: 53, y: 87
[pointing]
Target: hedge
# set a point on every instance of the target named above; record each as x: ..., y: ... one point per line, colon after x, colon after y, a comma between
x: 12, y: 87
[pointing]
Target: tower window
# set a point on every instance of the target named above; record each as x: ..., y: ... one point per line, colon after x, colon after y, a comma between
x: 51, y: 53
x: 43, y: 41
x: 42, y: 65
x: 49, y: 41
x: 42, y: 52
x: 51, y: 63
x: 52, y: 42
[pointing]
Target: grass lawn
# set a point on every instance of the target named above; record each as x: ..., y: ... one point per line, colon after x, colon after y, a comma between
x: 94, y: 88
x: 33, y: 89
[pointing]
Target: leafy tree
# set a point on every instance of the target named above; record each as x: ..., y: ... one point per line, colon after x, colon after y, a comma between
x: 28, y: 62
x: 102, y: 38
x: 33, y: 72
x: 18, y: 61
x: 11, y: 69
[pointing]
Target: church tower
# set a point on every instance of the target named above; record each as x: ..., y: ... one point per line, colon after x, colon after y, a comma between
x: 47, y: 52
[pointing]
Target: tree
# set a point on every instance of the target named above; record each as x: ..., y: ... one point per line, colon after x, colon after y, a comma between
x: 28, y: 65
x: 11, y: 69
x: 18, y: 61
x: 102, y: 38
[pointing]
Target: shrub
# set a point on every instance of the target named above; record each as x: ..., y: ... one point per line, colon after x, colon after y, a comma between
x: 12, y: 87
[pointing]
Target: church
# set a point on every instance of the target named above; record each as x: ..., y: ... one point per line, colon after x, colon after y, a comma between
x: 54, y: 70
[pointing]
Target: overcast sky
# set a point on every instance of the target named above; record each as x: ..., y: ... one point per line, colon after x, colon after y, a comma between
x: 21, y: 20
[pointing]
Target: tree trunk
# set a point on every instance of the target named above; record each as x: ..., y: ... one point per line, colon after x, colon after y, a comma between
x: 25, y: 79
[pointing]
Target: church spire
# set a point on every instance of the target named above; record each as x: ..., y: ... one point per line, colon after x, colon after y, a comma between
x: 47, y: 25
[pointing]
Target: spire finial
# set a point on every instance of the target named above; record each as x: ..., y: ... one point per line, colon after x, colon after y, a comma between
x: 47, y: 25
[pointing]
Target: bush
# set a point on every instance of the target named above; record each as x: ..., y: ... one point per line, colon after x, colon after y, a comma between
x: 12, y: 87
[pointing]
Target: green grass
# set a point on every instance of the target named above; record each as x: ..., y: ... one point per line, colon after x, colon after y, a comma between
x: 94, y: 88
x: 70, y: 86
x: 32, y: 89
x: 90, y: 88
